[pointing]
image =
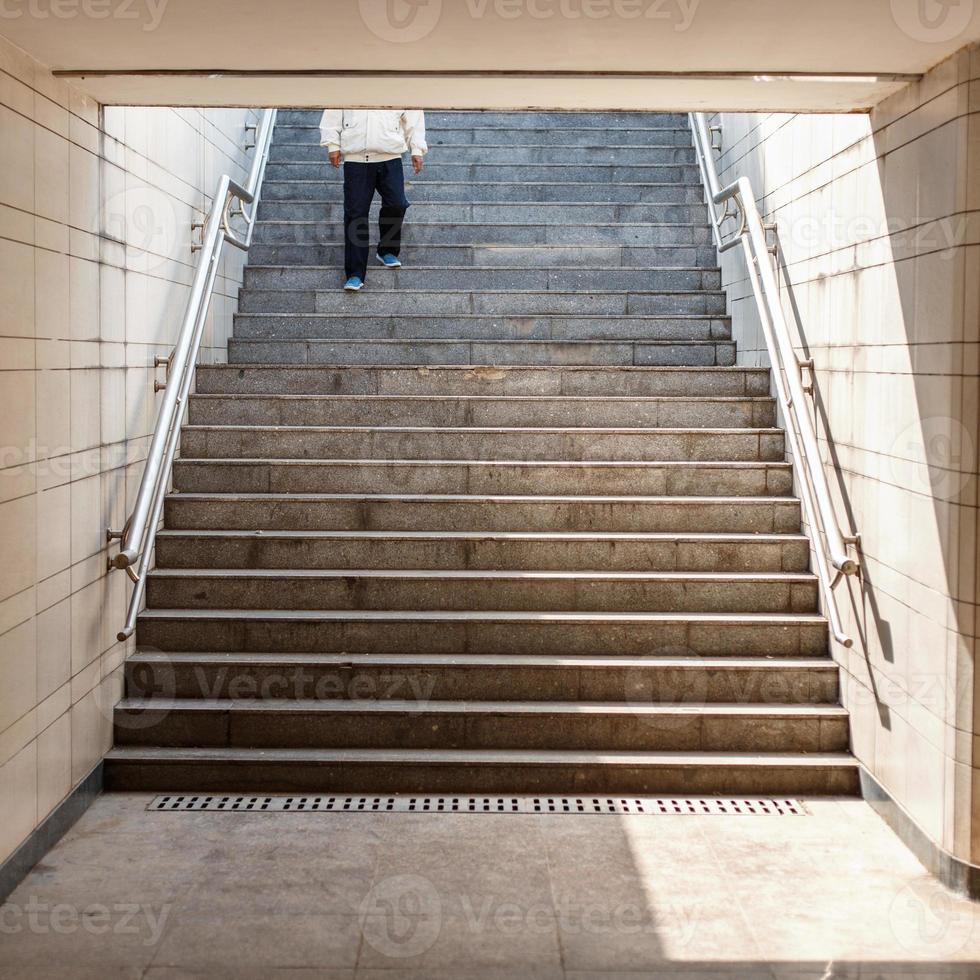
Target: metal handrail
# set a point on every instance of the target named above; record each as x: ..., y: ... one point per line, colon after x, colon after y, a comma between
x: 740, y: 208
x: 231, y: 201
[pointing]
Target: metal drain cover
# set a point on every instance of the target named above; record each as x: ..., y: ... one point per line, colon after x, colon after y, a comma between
x: 650, y: 806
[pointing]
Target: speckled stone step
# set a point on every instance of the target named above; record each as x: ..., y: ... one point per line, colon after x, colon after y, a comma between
x: 461, y: 590
x: 522, y: 211
x: 481, y: 353
x: 418, y: 232
x: 156, y: 769
x: 481, y: 410
x: 493, y: 278
x: 542, y: 551
x: 351, y: 325
x: 476, y: 512
x: 550, y: 380
x: 476, y: 725
x: 642, y: 681
x: 475, y: 442
x: 516, y: 147
x: 548, y: 477
x: 590, y: 256
x: 586, y: 633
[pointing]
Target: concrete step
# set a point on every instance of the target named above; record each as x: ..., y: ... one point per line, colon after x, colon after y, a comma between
x: 569, y: 380
x: 497, y: 632
x: 526, y: 211
x: 152, y: 769
x: 649, y: 172
x: 476, y: 725
x: 323, y: 326
x: 318, y: 230
x: 474, y: 442
x: 485, y: 590
x: 639, y: 681
x: 481, y: 411
x: 424, y: 190
x: 570, y: 121
x: 549, y: 477
x: 489, y: 279
x: 529, y: 148
x: 607, y: 257
x: 446, y: 550
x: 382, y: 297
x: 476, y: 512
x: 591, y: 145
x: 488, y: 353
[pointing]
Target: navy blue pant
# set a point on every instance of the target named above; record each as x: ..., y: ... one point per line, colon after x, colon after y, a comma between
x: 361, y: 180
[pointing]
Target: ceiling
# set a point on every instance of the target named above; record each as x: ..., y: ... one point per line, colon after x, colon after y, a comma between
x: 799, y: 55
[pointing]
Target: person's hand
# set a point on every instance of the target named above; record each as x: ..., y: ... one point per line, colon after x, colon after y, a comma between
x: 335, y: 158
x: 417, y: 164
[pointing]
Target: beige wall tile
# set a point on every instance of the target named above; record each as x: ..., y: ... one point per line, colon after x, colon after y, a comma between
x: 16, y: 160
x: 87, y: 532
x: 16, y: 287
x: 51, y: 294
x: 53, y: 531
x: 18, y: 418
x: 17, y: 532
x: 50, y: 175
x: 54, y: 639
x: 18, y: 799
x: 18, y: 686
x: 891, y: 321
x: 77, y: 333
x: 53, y: 765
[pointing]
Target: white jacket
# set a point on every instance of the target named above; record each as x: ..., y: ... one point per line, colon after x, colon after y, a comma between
x: 373, y: 135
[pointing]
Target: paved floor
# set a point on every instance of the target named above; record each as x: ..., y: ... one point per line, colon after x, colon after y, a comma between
x: 132, y: 894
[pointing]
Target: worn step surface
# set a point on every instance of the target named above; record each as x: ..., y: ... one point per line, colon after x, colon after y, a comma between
x: 469, y: 589
x: 582, y: 725
x: 421, y: 233
x: 156, y: 769
x: 480, y: 512
x: 481, y: 411
x: 516, y: 148
x: 487, y: 477
x: 643, y: 681
x: 491, y: 632
x: 541, y: 551
x: 477, y: 353
x: 521, y: 212
x: 329, y: 298
x: 479, y: 442
x: 527, y: 380
x: 441, y: 255
x: 492, y: 278
x: 508, y: 520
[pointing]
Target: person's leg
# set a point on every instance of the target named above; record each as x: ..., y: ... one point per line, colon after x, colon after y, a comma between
x: 359, y: 180
x: 394, y: 204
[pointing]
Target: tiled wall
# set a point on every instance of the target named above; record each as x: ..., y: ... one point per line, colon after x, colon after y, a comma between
x: 95, y: 262
x: 879, y: 232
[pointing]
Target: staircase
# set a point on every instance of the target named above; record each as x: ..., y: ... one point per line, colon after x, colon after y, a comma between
x: 508, y: 520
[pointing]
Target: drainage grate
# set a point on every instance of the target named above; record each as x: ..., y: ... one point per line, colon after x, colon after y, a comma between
x: 650, y: 806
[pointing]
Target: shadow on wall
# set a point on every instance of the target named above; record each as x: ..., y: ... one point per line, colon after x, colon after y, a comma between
x: 886, y: 312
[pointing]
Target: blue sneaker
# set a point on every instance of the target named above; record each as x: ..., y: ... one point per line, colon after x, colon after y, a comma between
x: 353, y: 284
x: 389, y: 261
